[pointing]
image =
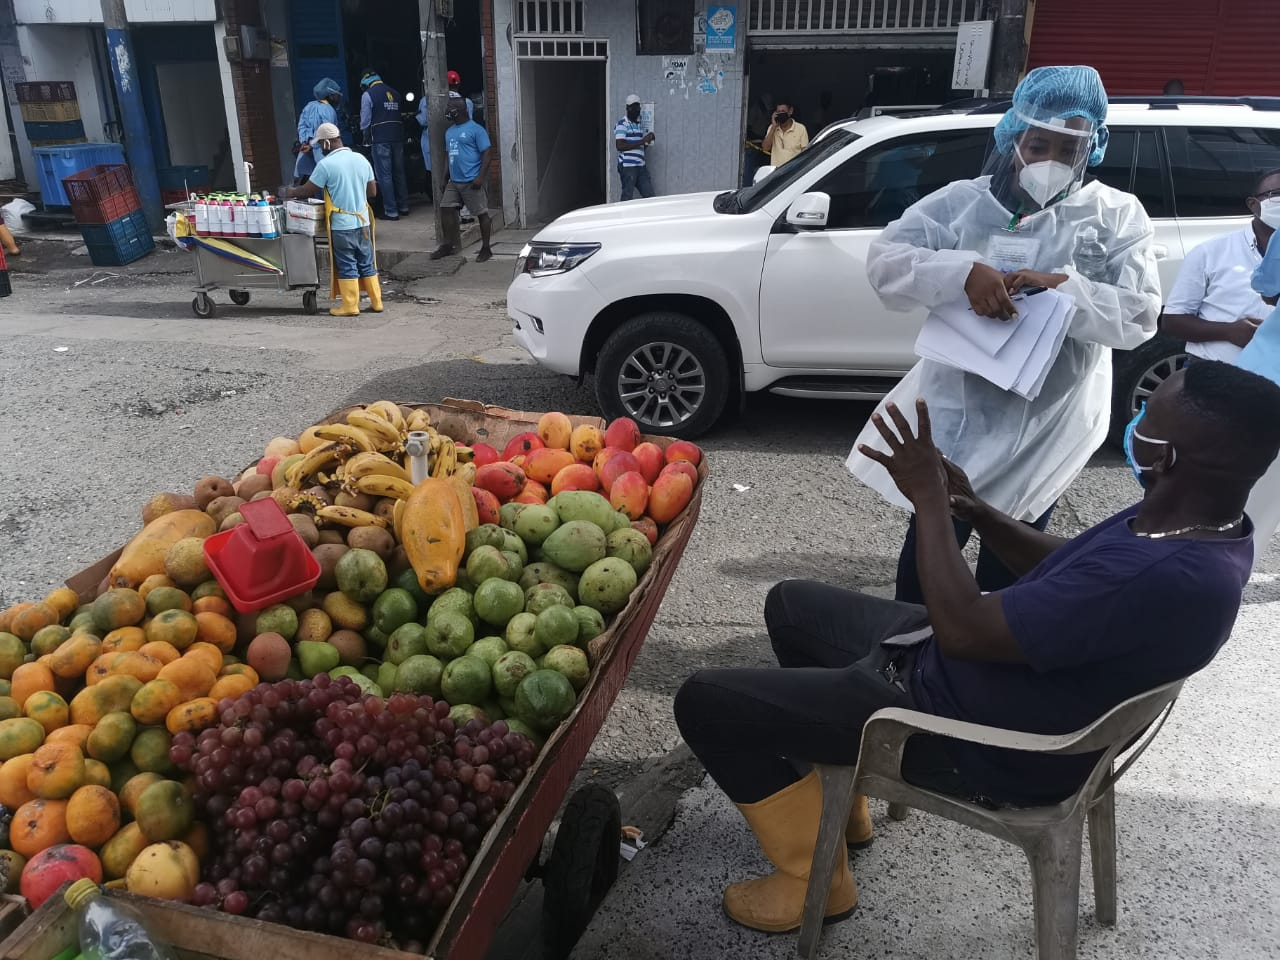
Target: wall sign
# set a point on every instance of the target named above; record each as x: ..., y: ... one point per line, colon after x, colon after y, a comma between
x: 722, y: 29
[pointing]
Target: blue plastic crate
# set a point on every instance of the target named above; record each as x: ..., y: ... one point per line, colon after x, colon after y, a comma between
x: 55, y: 163
x: 119, y: 242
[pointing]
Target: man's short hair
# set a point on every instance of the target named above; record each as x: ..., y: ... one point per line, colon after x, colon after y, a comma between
x: 1241, y: 407
x: 1257, y: 187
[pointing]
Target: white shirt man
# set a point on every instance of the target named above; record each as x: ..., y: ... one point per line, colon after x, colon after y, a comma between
x: 1213, y: 285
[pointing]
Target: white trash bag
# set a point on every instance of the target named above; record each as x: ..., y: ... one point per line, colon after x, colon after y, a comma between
x: 13, y: 211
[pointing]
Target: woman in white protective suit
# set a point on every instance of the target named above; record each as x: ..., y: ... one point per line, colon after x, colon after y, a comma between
x: 1029, y: 222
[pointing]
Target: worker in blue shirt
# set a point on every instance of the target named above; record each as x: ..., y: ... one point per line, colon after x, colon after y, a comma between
x: 423, y: 118
x: 323, y: 109
x: 470, y: 152
x: 383, y: 129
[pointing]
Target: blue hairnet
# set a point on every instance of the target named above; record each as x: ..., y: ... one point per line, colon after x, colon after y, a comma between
x: 369, y: 78
x: 1266, y: 278
x: 325, y: 88
x: 1061, y: 93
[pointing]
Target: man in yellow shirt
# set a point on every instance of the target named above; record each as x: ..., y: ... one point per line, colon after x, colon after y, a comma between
x: 786, y: 137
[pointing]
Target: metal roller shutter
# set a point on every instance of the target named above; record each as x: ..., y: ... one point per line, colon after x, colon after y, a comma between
x: 1220, y: 47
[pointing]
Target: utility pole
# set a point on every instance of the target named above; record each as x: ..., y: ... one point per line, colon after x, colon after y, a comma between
x: 133, y: 117
x: 435, y: 79
x: 1009, y: 49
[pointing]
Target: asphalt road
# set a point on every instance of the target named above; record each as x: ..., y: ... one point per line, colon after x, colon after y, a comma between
x: 112, y: 392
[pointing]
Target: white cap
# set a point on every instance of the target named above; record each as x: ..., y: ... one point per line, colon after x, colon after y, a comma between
x: 633, y: 98
x: 326, y: 131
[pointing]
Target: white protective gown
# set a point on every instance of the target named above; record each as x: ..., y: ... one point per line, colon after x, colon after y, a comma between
x: 1020, y: 455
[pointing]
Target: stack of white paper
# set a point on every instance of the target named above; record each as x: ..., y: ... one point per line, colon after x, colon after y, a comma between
x: 1015, y: 355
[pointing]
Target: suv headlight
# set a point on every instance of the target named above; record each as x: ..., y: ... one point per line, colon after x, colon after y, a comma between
x: 547, y: 259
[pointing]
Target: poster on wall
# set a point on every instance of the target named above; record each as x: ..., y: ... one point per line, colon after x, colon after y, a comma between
x: 722, y: 29
x: 646, y: 116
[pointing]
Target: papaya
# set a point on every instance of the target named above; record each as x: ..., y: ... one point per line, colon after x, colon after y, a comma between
x: 144, y: 555
x: 470, y: 512
x: 435, y: 534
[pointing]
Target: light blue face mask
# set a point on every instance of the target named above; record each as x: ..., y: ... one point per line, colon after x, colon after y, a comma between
x: 1130, y: 434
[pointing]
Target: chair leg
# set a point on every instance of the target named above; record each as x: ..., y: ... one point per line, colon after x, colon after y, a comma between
x: 1054, y: 855
x: 837, y: 795
x: 1102, y: 850
x: 898, y: 811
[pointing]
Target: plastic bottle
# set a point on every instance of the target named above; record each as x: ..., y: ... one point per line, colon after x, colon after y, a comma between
x: 1091, y: 255
x: 202, y: 216
x: 110, y: 930
x: 240, y: 211
x: 253, y: 217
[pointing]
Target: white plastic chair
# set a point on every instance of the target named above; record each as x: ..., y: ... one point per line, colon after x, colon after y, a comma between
x: 1050, y: 837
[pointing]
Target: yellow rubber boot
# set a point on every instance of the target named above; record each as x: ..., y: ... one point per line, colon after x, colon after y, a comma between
x: 859, y: 833
x: 349, y: 290
x: 786, y: 826
x: 371, y: 287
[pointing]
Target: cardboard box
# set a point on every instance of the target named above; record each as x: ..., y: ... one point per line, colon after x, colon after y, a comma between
x: 305, y: 209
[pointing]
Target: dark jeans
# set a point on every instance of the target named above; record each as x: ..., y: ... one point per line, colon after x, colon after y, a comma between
x: 757, y: 730
x: 635, y: 180
x: 991, y: 573
x: 388, y: 170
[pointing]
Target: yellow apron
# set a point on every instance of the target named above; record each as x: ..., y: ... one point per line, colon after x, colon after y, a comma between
x: 330, y: 208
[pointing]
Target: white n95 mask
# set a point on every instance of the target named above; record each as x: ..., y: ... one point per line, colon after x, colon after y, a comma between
x: 1045, y: 180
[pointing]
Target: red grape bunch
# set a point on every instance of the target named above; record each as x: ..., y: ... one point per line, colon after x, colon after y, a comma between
x: 343, y: 813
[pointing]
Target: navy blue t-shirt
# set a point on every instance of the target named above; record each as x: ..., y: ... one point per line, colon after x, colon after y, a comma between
x: 1103, y: 618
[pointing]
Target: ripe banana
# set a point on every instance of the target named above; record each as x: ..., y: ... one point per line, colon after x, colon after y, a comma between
x: 397, y: 519
x: 325, y: 455
x: 383, y: 434
x: 465, y: 454
x: 350, y: 517
x: 418, y: 420
x: 445, y: 463
x: 345, y: 433
x: 467, y: 473
x: 373, y: 464
x: 388, y: 411
x: 376, y: 485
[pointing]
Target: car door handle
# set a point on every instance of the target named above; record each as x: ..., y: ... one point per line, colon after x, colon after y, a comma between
x: 1160, y: 250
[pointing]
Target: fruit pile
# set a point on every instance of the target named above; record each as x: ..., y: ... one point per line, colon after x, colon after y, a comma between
x: 345, y: 813
x: 157, y: 728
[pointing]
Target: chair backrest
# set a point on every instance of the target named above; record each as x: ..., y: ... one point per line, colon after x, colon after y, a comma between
x: 1123, y: 722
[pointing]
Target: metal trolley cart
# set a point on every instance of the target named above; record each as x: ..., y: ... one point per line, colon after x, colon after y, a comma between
x: 216, y: 267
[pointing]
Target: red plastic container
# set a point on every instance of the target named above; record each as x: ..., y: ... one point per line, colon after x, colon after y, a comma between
x: 262, y: 561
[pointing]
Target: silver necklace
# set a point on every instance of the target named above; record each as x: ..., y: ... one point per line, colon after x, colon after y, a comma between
x: 1195, y: 526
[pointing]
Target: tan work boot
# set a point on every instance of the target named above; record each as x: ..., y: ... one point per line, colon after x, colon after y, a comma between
x: 859, y: 833
x: 349, y: 291
x: 373, y: 288
x: 786, y: 826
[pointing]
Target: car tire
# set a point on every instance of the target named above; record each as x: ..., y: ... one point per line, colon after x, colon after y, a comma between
x: 1136, y: 375
x: 685, y: 405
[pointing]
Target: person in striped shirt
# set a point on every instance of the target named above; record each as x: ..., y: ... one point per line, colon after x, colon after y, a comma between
x: 632, y: 141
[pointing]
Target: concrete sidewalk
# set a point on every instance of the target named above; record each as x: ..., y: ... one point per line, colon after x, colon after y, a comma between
x: 1198, y: 821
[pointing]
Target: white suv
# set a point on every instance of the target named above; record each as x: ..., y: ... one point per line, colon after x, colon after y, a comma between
x: 677, y: 304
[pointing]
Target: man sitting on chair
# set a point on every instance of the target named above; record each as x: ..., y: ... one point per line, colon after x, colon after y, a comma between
x: 1135, y: 602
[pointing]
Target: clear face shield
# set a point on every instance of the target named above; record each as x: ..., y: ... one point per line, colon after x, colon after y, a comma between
x: 1038, y: 160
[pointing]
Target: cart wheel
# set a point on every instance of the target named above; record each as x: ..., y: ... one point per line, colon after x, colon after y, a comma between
x: 582, y: 867
x: 309, y: 304
x: 202, y: 306
x: 239, y: 297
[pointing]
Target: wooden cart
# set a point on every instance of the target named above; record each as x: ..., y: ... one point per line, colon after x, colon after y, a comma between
x: 584, y: 860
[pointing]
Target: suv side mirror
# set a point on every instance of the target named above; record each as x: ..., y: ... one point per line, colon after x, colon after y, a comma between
x: 761, y: 174
x: 810, y: 211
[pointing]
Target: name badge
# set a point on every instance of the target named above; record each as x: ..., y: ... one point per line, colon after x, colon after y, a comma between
x: 1008, y: 252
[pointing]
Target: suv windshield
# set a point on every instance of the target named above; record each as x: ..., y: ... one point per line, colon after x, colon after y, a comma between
x: 757, y: 195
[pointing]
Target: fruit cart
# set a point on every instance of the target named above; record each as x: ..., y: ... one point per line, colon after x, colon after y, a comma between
x: 218, y: 265
x: 584, y: 859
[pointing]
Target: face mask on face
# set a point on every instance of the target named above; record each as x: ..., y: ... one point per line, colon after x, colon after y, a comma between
x: 1130, y: 434
x: 1269, y: 212
x: 633, y: 114
x: 1044, y: 180
x: 781, y: 117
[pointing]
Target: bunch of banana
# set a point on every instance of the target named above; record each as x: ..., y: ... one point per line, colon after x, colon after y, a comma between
x: 383, y: 435
x: 372, y: 464
x: 323, y: 457
x: 349, y: 517
x: 444, y: 455
x: 418, y: 420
